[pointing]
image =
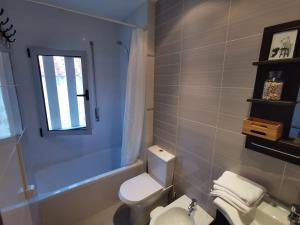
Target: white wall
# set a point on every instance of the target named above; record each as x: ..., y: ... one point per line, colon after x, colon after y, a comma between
x: 52, y: 28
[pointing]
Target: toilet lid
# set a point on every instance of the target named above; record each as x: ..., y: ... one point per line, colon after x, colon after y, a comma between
x: 139, y: 188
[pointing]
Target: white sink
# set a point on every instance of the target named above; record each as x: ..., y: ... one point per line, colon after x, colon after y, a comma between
x: 266, y: 213
x: 176, y: 214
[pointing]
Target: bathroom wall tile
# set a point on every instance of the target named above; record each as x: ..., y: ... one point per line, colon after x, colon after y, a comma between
x: 194, y: 169
x: 201, y: 116
x: 203, y: 59
x: 199, y: 97
x: 150, y: 83
x: 168, y: 69
x: 170, y: 110
x: 147, y: 134
x: 205, y: 38
x: 183, y: 187
x: 167, y: 127
x: 167, y: 90
x: 165, y: 5
x: 233, y: 101
x: 263, y: 169
x: 239, y: 71
x: 168, y: 146
x: 174, y: 11
x: 205, y: 76
x: 165, y: 117
x: 201, y: 16
x: 169, y: 26
x: 199, y: 103
x: 165, y: 80
x: 228, y: 146
x: 163, y: 39
x: 165, y: 131
x: 290, y: 191
x: 250, y: 17
x: 196, y: 138
x: 166, y: 99
x: 167, y: 59
x: 202, y: 78
x: 230, y: 123
x: 168, y: 48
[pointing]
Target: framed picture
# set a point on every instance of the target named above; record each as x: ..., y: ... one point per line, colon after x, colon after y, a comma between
x: 283, y: 45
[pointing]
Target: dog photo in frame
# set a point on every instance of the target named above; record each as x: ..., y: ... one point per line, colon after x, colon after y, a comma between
x: 283, y: 45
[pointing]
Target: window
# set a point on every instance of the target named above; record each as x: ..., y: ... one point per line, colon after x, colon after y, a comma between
x: 4, y: 123
x: 10, y: 122
x: 61, y: 77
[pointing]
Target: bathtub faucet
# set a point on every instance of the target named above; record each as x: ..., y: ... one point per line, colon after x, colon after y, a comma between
x: 191, y: 207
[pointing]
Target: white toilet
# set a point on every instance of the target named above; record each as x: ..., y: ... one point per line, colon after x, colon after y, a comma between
x: 146, y: 191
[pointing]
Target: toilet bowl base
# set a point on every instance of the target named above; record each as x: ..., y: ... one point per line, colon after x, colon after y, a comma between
x: 140, y: 214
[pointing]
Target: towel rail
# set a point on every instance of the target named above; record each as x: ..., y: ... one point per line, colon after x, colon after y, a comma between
x: 274, y: 150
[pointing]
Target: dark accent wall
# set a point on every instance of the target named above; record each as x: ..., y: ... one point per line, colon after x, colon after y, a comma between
x: 203, y: 76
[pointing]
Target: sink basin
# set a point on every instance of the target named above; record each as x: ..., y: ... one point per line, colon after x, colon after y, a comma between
x: 176, y: 214
x: 266, y: 213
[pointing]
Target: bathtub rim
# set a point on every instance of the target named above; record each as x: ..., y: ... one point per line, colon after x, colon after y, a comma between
x: 84, y: 183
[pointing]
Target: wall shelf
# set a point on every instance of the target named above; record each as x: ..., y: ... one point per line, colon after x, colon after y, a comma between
x: 281, y: 61
x: 279, y: 103
x: 280, y: 111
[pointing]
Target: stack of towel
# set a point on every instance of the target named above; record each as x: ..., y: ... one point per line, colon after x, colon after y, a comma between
x: 241, y: 193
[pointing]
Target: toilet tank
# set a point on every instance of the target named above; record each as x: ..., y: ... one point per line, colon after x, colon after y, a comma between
x: 161, y: 165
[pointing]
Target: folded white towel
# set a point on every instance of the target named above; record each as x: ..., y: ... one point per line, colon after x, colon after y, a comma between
x: 231, y: 200
x: 240, y: 188
x: 220, y: 188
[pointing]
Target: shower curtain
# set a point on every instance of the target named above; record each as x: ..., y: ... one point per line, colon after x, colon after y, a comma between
x: 135, y: 98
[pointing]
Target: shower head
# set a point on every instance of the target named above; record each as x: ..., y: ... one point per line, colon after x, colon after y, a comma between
x: 121, y: 44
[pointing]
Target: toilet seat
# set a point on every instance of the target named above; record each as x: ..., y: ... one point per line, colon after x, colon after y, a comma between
x: 138, y: 189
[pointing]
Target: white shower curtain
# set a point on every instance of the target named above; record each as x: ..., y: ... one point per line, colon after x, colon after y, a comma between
x: 135, y: 98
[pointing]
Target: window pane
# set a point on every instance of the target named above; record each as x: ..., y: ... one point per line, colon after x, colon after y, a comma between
x: 4, y: 123
x: 62, y: 92
x: 62, y: 81
x: 45, y: 91
x: 10, y: 121
x: 79, y: 90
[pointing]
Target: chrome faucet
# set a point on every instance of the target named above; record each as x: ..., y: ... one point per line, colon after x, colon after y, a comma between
x: 294, y: 216
x: 191, y: 207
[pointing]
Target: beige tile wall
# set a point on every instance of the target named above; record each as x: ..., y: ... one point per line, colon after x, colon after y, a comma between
x: 203, y: 75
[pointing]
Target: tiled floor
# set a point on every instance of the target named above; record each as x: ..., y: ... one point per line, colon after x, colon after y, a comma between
x: 117, y: 214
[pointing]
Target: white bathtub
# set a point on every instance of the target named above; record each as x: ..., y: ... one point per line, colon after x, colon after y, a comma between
x: 74, y: 190
x: 72, y: 172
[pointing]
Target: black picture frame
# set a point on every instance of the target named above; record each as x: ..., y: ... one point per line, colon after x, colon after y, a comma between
x: 284, y: 45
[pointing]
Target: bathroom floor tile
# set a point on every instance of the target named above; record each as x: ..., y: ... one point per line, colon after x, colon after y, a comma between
x: 117, y: 214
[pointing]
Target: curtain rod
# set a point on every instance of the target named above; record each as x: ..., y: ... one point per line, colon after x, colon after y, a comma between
x: 86, y: 14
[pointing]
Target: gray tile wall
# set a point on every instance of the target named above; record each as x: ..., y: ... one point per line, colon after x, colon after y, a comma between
x: 203, y: 75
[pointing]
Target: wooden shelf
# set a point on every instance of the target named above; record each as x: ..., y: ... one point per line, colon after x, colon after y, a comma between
x: 279, y: 103
x: 280, y: 61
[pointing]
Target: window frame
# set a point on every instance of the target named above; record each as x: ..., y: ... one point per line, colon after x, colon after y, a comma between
x: 33, y: 53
